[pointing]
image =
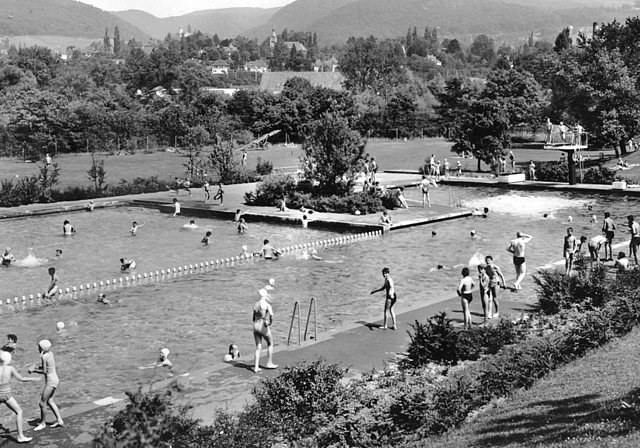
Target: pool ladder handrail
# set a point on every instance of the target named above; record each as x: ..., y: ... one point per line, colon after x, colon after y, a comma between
x: 454, y: 197
x: 296, y: 312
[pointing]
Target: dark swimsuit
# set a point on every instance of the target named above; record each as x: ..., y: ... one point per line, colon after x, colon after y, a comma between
x: 518, y: 261
x: 468, y: 296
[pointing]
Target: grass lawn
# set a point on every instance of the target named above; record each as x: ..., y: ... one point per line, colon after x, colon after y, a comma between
x: 390, y: 154
x: 593, y: 402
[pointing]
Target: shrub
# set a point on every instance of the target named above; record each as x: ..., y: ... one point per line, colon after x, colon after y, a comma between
x: 552, y: 172
x: 599, y: 175
x: 271, y: 190
x: 585, y: 289
x: 264, y: 168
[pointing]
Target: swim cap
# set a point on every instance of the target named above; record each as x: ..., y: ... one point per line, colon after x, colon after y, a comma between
x: 44, y: 345
x: 244, y: 248
x: 263, y: 293
x: 60, y: 325
x: 5, y: 357
x: 165, y: 352
x: 272, y: 281
x: 473, y: 232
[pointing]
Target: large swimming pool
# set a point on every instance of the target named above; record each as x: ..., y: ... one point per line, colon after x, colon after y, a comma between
x: 197, y: 316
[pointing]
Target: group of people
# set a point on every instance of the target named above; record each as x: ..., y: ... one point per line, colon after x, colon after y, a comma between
x: 573, y: 248
x: 435, y: 169
x: 47, y: 368
x: 565, y: 134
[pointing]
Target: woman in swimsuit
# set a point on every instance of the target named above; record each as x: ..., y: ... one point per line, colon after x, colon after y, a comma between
x: 464, y: 291
x: 262, y: 319
x: 8, y: 372
x: 48, y: 369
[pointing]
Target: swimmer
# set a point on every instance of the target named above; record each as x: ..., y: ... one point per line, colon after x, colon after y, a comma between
x: 608, y: 228
x: 163, y: 361
x: 90, y: 206
x: 473, y: 233
x: 7, y: 257
x: 425, y: 186
x: 51, y: 381
x: 238, y: 215
x: 594, y: 219
x: 545, y: 216
x: 58, y: 253
x: 103, y: 299
x: 207, y: 191
x: 7, y: 373
x: 570, y: 218
x: 233, y: 354
x: 386, y: 221
x: 496, y: 280
x: 126, y: 264
x: 594, y: 247
x: 482, y: 213
x: 517, y: 248
x: 242, y: 227
x: 433, y: 233
x: 390, y: 300
x: 53, y: 286
x: 207, y: 239
x: 135, y: 227
x: 68, y: 229
x: 622, y: 263
x: 244, y: 252
x: 191, y: 225
x: 485, y: 292
x: 314, y: 255
x: 262, y: 320
x: 60, y: 327
x: 11, y: 345
x: 305, y: 222
x: 268, y: 251
x: 569, y: 250
x: 176, y: 207
x: 271, y: 285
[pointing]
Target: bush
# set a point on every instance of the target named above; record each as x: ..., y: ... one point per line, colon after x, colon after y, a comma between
x: 599, y: 175
x: 585, y: 289
x: 264, y: 168
x: 552, y: 172
x: 271, y: 190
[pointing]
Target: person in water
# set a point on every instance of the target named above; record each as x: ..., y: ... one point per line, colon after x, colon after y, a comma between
x: 233, y: 354
x: 68, y: 229
x: 238, y: 215
x: 176, y: 207
x: 135, y: 227
x: 242, y: 227
x: 7, y: 257
x: 390, y: 299
x: 53, y: 286
x: 262, y: 320
x: 7, y: 373
x: 268, y: 251
x: 90, y: 206
x: 244, y: 252
x: 51, y: 381
x: 163, y: 361
x: 126, y: 264
x: 58, y: 253
x: 11, y: 345
x: 207, y: 239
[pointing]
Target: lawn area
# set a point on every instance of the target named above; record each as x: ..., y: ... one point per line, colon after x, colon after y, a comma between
x: 593, y: 402
x: 390, y: 154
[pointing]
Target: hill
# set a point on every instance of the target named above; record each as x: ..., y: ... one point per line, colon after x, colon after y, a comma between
x: 335, y: 21
x: 61, y: 18
x: 227, y: 22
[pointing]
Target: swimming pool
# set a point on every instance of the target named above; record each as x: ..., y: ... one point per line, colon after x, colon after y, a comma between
x: 197, y: 316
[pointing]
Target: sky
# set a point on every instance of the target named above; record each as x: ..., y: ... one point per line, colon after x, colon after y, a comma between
x: 166, y: 8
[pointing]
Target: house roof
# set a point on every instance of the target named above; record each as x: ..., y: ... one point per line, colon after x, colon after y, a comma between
x: 220, y: 63
x: 274, y: 81
x: 297, y: 45
x: 256, y: 64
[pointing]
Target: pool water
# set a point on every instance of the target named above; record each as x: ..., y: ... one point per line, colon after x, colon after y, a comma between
x: 198, y: 315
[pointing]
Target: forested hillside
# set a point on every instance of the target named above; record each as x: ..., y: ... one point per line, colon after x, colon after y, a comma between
x: 60, y: 18
x: 227, y: 22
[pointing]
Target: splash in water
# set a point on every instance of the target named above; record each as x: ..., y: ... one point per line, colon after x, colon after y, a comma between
x: 31, y: 260
x: 512, y: 204
x: 476, y: 259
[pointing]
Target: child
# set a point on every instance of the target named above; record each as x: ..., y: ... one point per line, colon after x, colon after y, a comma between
x: 234, y: 353
x: 58, y: 253
x: 305, y: 222
x: 176, y: 207
x: 622, y: 263
x: 238, y: 215
x: 67, y: 228
x: 135, y: 227
x: 53, y: 287
x: 8, y: 372
x: 207, y: 239
x: 219, y: 194
x: 485, y: 292
x: 464, y: 291
x: 126, y: 264
x: 51, y: 381
x: 458, y: 169
x: 207, y: 191
x: 242, y: 226
x: 447, y: 165
x: 244, y: 252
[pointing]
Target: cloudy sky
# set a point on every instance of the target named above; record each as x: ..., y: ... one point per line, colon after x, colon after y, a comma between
x: 165, y: 8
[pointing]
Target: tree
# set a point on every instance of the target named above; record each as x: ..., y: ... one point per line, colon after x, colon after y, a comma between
x: 196, y: 138
x: 482, y: 48
x: 563, y: 41
x: 97, y: 174
x: 333, y: 154
x: 116, y: 41
x: 106, y: 41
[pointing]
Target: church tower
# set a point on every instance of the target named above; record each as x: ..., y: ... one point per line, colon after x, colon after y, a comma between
x: 274, y: 37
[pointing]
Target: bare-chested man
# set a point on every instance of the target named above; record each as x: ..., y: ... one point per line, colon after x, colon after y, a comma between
x: 608, y: 228
x: 390, y: 300
x: 425, y: 185
x: 516, y: 247
x: 569, y: 250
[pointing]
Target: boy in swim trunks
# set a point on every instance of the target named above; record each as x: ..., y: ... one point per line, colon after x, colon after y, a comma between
x: 135, y: 227
x: 242, y: 227
x: 8, y: 372
x: 466, y: 296
x: 516, y: 247
x: 608, y: 228
x: 268, y: 251
x: 67, y: 228
x: 53, y: 287
x: 634, y: 230
x: 569, y: 249
x: 390, y: 299
x: 262, y: 320
x: 51, y: 381
x: 207, y: 239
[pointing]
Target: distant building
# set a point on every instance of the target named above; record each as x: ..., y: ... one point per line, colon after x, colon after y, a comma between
x: 273, y: 82
x: 435, y: 60
x: 273, y: 39
x: 329, y: 65
x: 256, y: 66
x: 297, y: 45
x: 219, y: 67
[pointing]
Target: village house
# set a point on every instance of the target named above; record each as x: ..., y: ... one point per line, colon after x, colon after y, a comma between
x: 219, y: 67
x: 256, y: 66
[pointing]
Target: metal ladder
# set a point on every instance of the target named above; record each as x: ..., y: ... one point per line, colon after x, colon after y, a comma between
x: 454, y: 198
x: 296, y: 312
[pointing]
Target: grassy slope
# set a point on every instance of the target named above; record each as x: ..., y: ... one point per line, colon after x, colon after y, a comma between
x: 583, y: 405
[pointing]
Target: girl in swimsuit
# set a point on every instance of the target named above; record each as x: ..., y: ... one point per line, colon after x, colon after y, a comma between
x: 464, y: 291
x: 262, y: 318
x: 48, y: 369
x: 8, y: 372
